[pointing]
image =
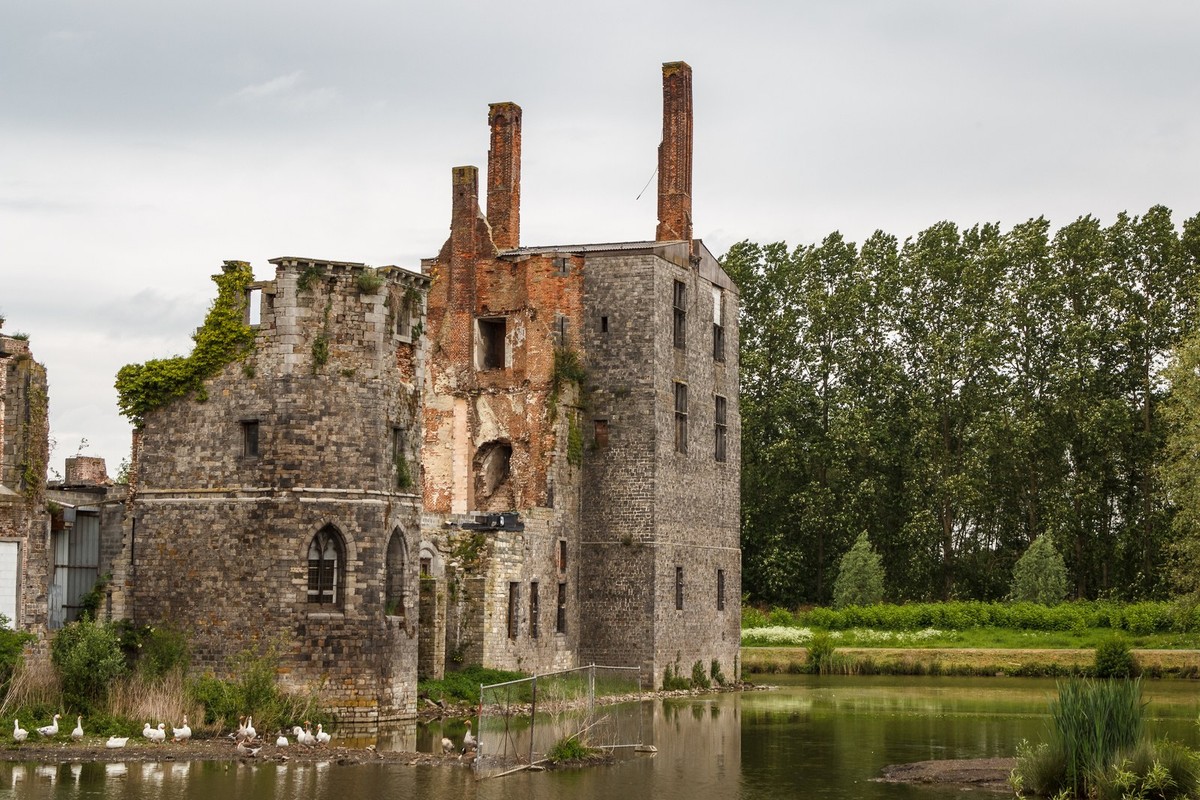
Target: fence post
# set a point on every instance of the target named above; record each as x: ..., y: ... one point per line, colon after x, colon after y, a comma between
x: 532, y: 720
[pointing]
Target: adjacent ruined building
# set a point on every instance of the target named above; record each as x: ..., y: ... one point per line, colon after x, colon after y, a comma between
x: 520, y: 456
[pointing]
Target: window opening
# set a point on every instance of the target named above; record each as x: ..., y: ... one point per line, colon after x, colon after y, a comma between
x: 533, y: 609
x: 491, y: 343
x: 404, y: 318
x: 721, y: 430
x: 681, y: 417
x: 562, y: 266
x: 76, y: 567
x: 396, y: 561
x: 325, y: 562
x: 250, y: 438
x: 560, y: 331
x: 679, y: 300
x: 254, y: 307
x: 679, y: 588
x: 604, y: 324
x: 514, y: 598
x: 426, y: 566
x: 562, y: 555
x: 560, y: 622
x: 718, y: 324
x: 720, y: 590
x: 601, y: 433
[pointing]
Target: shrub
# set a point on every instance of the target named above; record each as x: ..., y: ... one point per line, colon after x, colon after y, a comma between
x: 569, y: 748
x: 1040, y: 574
x: 12, y: 646
x: 1114, y: 659
x: 780, y: 616
x: 1160, y: 769
x: 753, y: 617
x: 369, y: 281
x: 859, y: 580
x: 463, y: 685
x: 820, y: 653
x: 88, y: 657
x: 714, y: 671
x: 699, y: 676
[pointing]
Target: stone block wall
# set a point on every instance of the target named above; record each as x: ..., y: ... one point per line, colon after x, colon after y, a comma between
x: 221, y: 523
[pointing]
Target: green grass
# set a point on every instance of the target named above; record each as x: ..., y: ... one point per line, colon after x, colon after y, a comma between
x: 1004, y: 638
x: 463, y: 686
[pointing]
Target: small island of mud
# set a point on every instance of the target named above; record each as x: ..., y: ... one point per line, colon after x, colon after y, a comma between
x: 979, y: 773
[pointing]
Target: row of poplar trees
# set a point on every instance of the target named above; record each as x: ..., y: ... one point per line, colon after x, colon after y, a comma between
x: 956, y: 396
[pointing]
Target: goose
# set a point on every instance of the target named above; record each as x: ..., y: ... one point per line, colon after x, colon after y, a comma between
x: 469, y: 740
x: 51, y: 729
x: 247, y: 752
x: 77, y: 734
x: 303, y: 737
x: 148, y: 732
x: 322, y: 736
x: 281, y: 740
x: 116, y: 741
x: 241, y: 731
x: 251, y: 734
x: 158, y: 735
x: 19, y: 733
x: 447, y: 745
x: 181, y: 734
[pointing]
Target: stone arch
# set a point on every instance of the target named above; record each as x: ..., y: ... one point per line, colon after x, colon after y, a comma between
x: 396, y: 577
x: 327, y: 567
x: 492, y: 468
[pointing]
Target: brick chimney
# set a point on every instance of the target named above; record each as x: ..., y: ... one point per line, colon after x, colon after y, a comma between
x: 504, y: 175
x: 675, y: 155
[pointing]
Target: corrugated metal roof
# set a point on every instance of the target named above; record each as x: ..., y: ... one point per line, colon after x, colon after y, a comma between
x: 584, y: 248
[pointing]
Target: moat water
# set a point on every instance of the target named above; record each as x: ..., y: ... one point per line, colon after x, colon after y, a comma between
x: 812, y: 737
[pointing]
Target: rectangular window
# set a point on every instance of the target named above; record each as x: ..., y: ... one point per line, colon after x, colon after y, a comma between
x: 679, y: 588
x: 720, y: 590
x: 426, y: 566
x: 560, y: 622
x: 404, y: 478
x: 681, y: 417
x: 514, y: 609
x: 562, y: 555
x: 718, y: 325
x: 721, y: 429
x: 560, y: 331
x: 403, y: 318
x: 254, y: 307
x: 562, y: 266
x: 679, y: 303
x: 533, y: 609
x: 601, y: 433
x: 491, y: 343
x: 604, y: 324
x: 250, y: 438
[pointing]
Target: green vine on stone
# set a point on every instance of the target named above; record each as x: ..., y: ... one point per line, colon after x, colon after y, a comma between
x: 225, y: 337
x: 309, y: 274
x: 574, y: 441
x: 369, y: 281
x: 568, y: 368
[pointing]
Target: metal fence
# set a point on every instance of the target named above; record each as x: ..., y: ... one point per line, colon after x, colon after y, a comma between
x: 522, y: 722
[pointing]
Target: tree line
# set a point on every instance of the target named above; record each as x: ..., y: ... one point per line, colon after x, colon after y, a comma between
x: 957, y: 395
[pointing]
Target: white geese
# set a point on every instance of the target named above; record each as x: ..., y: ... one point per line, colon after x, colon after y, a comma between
x: 52, y: 728
x: 322, y: 736
x: 447, y: 745
x: 19, y: 733
x: 157, y: 735
x: 117, y: 741
x: 77, y: 733
x: 247, y: 752
x: 181, y: 734
x: 469, y: 740
x: 281, y: 740
x: 251, y: 734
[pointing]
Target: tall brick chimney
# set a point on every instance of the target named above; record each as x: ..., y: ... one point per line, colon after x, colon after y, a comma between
x: 504, y: 175
x: 675, y: 155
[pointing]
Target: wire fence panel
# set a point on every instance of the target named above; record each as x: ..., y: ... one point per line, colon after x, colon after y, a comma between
x: 523, y: 722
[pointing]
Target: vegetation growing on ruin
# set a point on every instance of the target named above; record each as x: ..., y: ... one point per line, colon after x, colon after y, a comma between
x: 33, y: 448
x: 225, y: 337
x: 308, y: 276
x: 369, y: 281
x: 463, y: 686
x: 574, y: 441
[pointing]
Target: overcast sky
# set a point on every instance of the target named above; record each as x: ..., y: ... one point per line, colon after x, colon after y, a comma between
x: 143, y: 143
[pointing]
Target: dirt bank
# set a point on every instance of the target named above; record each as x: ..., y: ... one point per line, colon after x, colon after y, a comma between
x: 980, y: 773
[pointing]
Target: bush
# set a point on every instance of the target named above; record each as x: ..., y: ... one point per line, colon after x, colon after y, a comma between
x: 699, y: 676
x: 1040, y: 574
x: 673, y: 680
x: 859, y: 580
x: 463, y: 686
x: 714, y: 671
x: 12, y: 646
x: 569, y: 749
x: 1114, y: 659
x: 820, y: 653
x: 1161, y: 769
x: 254, y: 692
x: 88, y: 658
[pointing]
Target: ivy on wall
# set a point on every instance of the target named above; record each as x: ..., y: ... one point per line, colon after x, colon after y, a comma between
x: 225, y: 337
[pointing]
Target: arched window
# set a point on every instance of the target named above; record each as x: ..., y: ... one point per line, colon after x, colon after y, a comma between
x: 326, y: 565
x: 397, y: 560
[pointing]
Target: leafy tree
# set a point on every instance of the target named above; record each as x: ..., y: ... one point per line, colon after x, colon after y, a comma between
x: 860, y: 576
x: 88, y: 657
x: 1040, y: 575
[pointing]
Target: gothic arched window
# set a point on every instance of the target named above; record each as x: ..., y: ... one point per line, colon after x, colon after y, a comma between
x: 326, y: 566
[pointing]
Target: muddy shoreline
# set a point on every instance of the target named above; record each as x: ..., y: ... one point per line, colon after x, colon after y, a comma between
x: 979, y: 773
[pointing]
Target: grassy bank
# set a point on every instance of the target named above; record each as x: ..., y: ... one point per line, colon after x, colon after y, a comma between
x: 962, y: 661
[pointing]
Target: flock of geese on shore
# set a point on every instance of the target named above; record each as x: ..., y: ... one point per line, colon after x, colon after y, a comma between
x: 245, y: 738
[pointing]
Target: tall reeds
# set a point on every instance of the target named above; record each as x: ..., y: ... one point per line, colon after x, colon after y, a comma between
x: 1092, y: 722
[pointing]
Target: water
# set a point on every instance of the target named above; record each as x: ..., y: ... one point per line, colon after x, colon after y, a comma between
x: 814, y: 737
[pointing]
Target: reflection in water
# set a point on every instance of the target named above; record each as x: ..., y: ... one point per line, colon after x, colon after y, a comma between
x: 817, y: 737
